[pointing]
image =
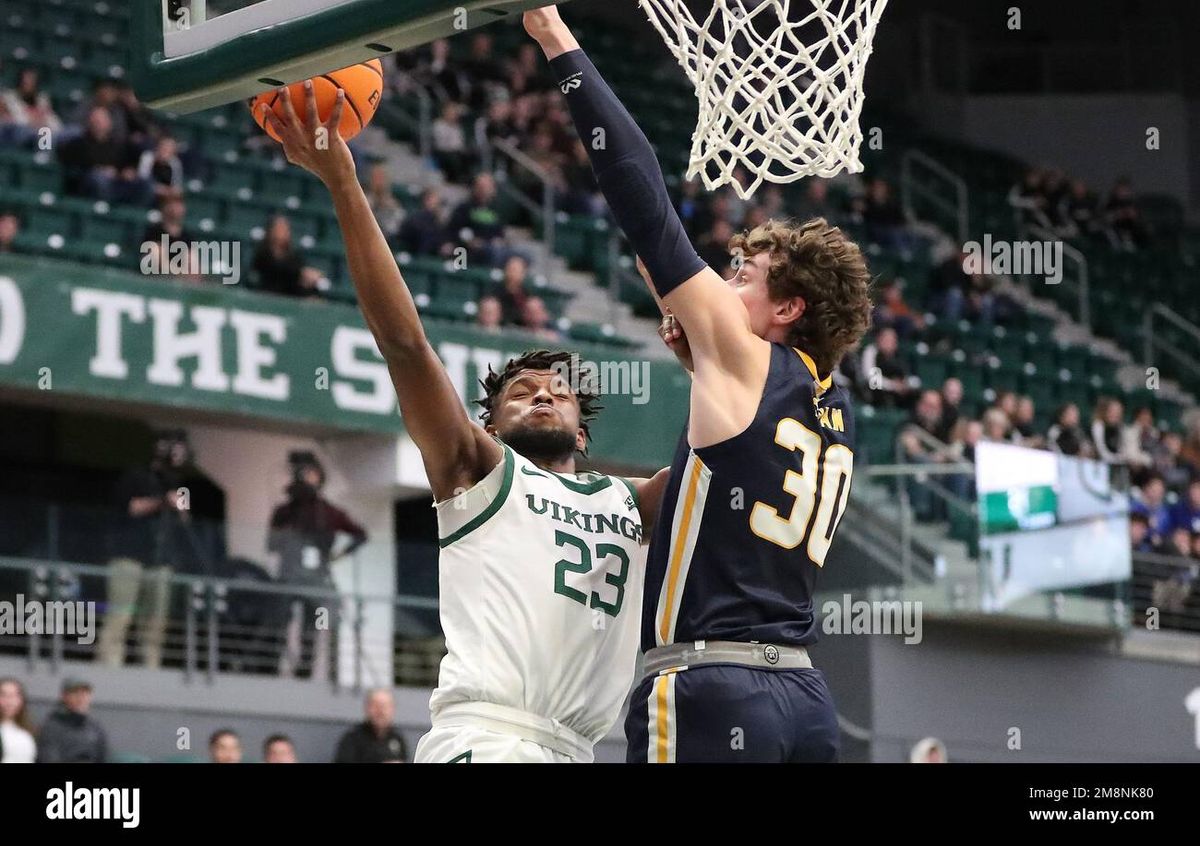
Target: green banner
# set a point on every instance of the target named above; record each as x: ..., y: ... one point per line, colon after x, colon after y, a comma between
x: 77, y: 331
x: 1025, y: 507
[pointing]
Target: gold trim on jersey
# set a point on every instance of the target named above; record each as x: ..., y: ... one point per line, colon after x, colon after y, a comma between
x: 824, y: 384
x: 661, y: 722
x: 685, y: 529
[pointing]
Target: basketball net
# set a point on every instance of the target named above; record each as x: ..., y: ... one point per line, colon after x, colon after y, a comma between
x: 780, y: 85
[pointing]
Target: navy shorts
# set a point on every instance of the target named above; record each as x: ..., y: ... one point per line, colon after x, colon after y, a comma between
x: 727, y: 713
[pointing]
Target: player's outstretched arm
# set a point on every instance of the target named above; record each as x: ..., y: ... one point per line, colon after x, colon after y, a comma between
x: 457, y: 452
x: 729, y: 358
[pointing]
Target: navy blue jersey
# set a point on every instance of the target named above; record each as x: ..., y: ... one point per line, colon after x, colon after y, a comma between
x: 746, y: 524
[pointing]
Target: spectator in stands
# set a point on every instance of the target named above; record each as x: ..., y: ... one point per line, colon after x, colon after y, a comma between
x: 495, y: 124
x: 1066, y: 435
x: 1079, y: 212
x: 952, y: 396
x: 423, y: 232
x: 384, y: 205
x: 1125, y: 227
x: 10, y: 227
x: 490, y: 314
x: 101, y: 164
x: 280, y: 266
x: 1186, y: 513
x: 1055, y: 190
x: 713, y: 247
x: 755, y: 217
x: 25, y: 110
x: 483, y: 69
x: 815, y: 200
x: 151, y: 535
x: 225, y: 747
x: 893, y: 312
x: 449, y: 141
x: 1139, y: 440
x: 70, y: 735
x: 997, y: 426
x: 512, y: 294
x: 948, y: 283
x: 441, y: 75
x: 140, y: 125
x: 477, y: 223
x: 582, y: 195
x: 1189, y: 449
x: 376, y: 740
x: 536, y: 318
x: 162, y: 168
x: 966, y: 436
x: 1025, y: 425
x: 304, y: 530
x: 279, y: 749
x: 919, y: 445
x: 1028, y: 199
x: 105, y: 95
x: 540, y: 148
x: 1107, y: 429
x: 170, y: 223
x: 1168, y: 461
x: 1150, y: 501
x: 887, y: 375
x: 17, y: 744
x: 882, y: 216
x: 772, y: 200
x: 1139, y: 534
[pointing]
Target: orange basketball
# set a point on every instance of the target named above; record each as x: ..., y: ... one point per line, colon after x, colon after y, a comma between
x: 363, y: 84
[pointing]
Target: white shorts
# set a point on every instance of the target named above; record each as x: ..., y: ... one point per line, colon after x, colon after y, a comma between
x: 484, y: 733
x: 474, y: 745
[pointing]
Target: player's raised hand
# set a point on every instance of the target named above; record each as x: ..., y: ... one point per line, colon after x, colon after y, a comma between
x: 546, y: 27
x: 315, y: 146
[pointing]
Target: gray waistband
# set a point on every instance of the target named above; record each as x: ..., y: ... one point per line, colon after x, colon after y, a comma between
x: 762, y: 655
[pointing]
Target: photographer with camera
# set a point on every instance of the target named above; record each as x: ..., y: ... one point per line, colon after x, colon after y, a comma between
x: 304, y: 530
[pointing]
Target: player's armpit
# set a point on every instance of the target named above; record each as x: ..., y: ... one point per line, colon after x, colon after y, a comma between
x: 650, y: 495
x: 456, y: 451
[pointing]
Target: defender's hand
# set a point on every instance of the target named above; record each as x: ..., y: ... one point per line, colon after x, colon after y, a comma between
x: 324, y: 154
x: 673, y: 336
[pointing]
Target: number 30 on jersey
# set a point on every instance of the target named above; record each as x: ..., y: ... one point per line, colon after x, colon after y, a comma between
x: 838, y: 464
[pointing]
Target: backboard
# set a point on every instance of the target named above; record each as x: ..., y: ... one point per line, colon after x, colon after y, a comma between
x: 189, y: 55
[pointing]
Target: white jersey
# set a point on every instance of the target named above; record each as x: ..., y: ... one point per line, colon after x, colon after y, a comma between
x: 541, y: 593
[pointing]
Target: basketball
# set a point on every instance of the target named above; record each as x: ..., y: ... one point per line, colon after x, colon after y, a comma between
x: 363, y: 84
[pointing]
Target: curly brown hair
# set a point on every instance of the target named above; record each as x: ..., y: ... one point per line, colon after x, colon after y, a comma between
x: 493, y: 384
x: 817, y: 261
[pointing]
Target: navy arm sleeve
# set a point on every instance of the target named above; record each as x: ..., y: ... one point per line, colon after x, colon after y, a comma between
x: 627, y: 173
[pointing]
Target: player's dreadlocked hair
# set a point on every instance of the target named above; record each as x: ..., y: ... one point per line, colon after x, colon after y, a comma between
x: 562, y: 362
x: 818, y: 262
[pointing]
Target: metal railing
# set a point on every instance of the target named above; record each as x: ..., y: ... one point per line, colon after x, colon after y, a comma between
x: 950, y: 198
x: 1166, y: 591
x: 215, y: 626
x: 546, y: 206
x: 1082, y: 279
x: 1155, y: 343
